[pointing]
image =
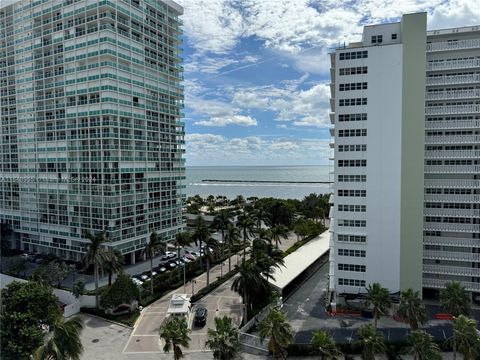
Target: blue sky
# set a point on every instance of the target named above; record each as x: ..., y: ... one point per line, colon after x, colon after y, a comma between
x: 257, y: 72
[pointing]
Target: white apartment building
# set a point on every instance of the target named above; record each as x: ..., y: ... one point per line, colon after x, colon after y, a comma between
x: 378, y: 88
x: 91, y: 131
x: 412, y: 128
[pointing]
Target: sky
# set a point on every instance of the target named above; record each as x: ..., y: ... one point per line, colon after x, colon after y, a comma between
x: 257, y: 72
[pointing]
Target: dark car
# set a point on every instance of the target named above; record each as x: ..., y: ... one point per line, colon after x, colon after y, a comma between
x: 200, y: 318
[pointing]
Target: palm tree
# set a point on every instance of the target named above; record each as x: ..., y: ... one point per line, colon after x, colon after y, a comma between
x: 155, y: 244
x: 221, y: 222
x: 175, y: 334
x: 276, y: 327
x: 465, y: 337
x: 379, y: 298
x: 246, y: 224
x: 210, y: 251
x: 63, y: 342
x: 113, y: 263
x: 201, y: 233
x: 279, y: 232
x: 323, y: 345
x: 231, y: 238
x: 96, y: 255
x: 249, y: 284
x: 372, y: 342
x: 224, y: 339
x: 259, y: 215
x: 422, y: 346
x: 454, y: 299
x: 182, y: 239
x: 411, y: 309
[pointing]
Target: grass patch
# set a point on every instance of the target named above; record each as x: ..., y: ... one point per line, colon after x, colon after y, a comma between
x: 127, y: 319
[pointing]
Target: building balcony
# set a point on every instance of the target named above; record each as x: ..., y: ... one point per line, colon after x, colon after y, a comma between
x: 451, y: 255
x: 456, y: 94
x: 452, y: 227
x: 452, y: 198
x: 448, y: 241
x: 453, y: 64
x: 472, y: 213
x: 453, y: 45
x: 452, y: 124
x: 452, y: 169
x: 452, y: 183
x: 440, y: 284
x: 453, y: 139
x: 452, y: 109
x: 452, y: 154
x: 453, y: 79
x: 451, y: 270
x: 332, y: 118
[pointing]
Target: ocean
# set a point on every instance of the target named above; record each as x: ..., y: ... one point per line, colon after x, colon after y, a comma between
x: 275, y: 181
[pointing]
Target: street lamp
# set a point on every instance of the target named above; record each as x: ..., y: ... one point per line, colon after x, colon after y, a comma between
x: 193, y: 287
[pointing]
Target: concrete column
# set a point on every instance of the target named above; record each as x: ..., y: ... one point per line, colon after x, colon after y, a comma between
x: 132, y: 258
x: 144, y: 255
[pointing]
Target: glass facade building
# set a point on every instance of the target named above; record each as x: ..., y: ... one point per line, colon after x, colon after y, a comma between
x: 91, y: 131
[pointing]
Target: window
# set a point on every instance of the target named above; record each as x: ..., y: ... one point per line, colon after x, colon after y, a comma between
x: 352, y: 117
x: 377, y: 39
x: 352, y: 163
x: 352, y: 238
x: 352, y: 267
x: 353, y: 70
x: 351, y: 282
x: 394, y: 36
x: 352, y: 193
x: 352, y: 132
x: 353, y: 55
x: 352, y: 102
x: 351, y: 252
x: 352, y: 223
x: 352, y: 178
x: 352, y: 208
x: 353, y: 86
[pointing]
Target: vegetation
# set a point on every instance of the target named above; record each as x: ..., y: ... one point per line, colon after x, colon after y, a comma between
x: 379, y: 298
x: 113, y: 263
x: 277, y: 329
x: 231, y: 239
x: 466, y: 339
x: 324, y: 346
x: 454, y: 299
x: 78, y: 288
x: 154, y: 244
x: 210, y: 252
x: 52, y: 273
x: 63, y: 342
x: 174, y: 333
x: 201, y: 233
x: 223, y: 341
x: 123, y: 291
x: 27, y: 308
x: 246, y: 226
x: 411, y: 309
x: 372, y: 342
x: 96, y: 255
x: 422, y: 346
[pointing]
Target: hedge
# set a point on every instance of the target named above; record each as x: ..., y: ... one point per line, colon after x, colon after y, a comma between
x: 128, y: 319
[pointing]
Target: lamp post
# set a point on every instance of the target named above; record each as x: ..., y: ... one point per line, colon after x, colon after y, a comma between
x: 193, y: 287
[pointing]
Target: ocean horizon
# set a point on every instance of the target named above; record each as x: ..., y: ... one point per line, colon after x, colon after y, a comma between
x: 285, y: 182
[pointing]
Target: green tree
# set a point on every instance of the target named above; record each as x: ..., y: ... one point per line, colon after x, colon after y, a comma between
x: 379, y: 298
x: 279, y: 331
x: 455, y: 299
x: 154, y: 244
x: 411, y: 309
x: 27, y: 308
x: 182, y: 239
x: 223, y: 341
x: 422, y: 346
x: 231, y: 239
x: 201, y: 233
x: 246, y: 225
x: 323, y: 345
x: 63, y: 342
x: 371, y: 341
x: 250, y: 285
x: 466, y: 339
x: 175, y: 334
x: 210, y: 251
x: 78, y: 288
x: 259, y: 215
x: 278, y: 233
x: 113, y: 263
x: 122, y: 291
x: 96, y: 255
x: 52, y: 273
x: 221, y: 222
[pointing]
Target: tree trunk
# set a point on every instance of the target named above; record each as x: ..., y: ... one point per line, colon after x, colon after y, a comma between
x: 375, y: 318
x: 229, y: 258
x: 244, y: 245
x: 208, y: 271
x: 151, y: 277
x: 109, y: 277
x: 95, y: 271
x: 454, y: 347
x: 201, y: 255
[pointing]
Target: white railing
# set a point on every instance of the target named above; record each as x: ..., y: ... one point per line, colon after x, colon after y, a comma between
x: 469, y: 228
x: 450, y: 255
x: 452, y: 109
x: 453, y: 64
x: 452, y: 79
x: 453, y: 45
x: 451, y: 270
x: 453, y: 183
x: 455, y: 94
x: 439, y: 284
x: 452, y: 124
x: 453, y: 139
x: 460, y: 169
x: 458, y: 242
x: 473, y: 213
x: 452, y: 198
x: 452, y: 154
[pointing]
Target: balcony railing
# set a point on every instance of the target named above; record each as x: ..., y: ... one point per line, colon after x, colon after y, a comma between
x: 473, y: 213
x: 453, y: 124
x: 453, y: 64
x: 453, y: 45
x: 448, y: 241
x: 452, y: 154
x: 452, y: 183
x: 451, y: 270
x: 453, y: 139
x: 440, y: 284
x: 451, y: 255
x: 452, y: 109
x: 468, y: 228
x: 452, y: 79
x: 452, y: 198
x: 455, y: 94
x: 455, y: 169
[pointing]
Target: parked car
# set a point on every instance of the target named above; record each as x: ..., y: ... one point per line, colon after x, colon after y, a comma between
x: 195, y: 254
x: 189, y: 257
x: 137, y: 281
x: 144, y: 277
x: 185, y: 259
x: 171, y: 263
x: 159, y: 269
x: 25, y: 256
x: 149, y: 274
x: 200, y: 318
x: 171, y: 254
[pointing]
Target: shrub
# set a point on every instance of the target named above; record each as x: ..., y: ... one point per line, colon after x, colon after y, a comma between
x: 123, y: 290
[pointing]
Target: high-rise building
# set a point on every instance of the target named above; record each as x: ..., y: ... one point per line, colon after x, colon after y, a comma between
x: 91, y: 131
x: 378, y: 96
x: 406, y: 114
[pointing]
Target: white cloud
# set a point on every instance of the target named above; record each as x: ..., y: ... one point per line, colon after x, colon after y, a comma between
x: 283, y: 145
x: 456, y: 13
x: 240, y: 120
